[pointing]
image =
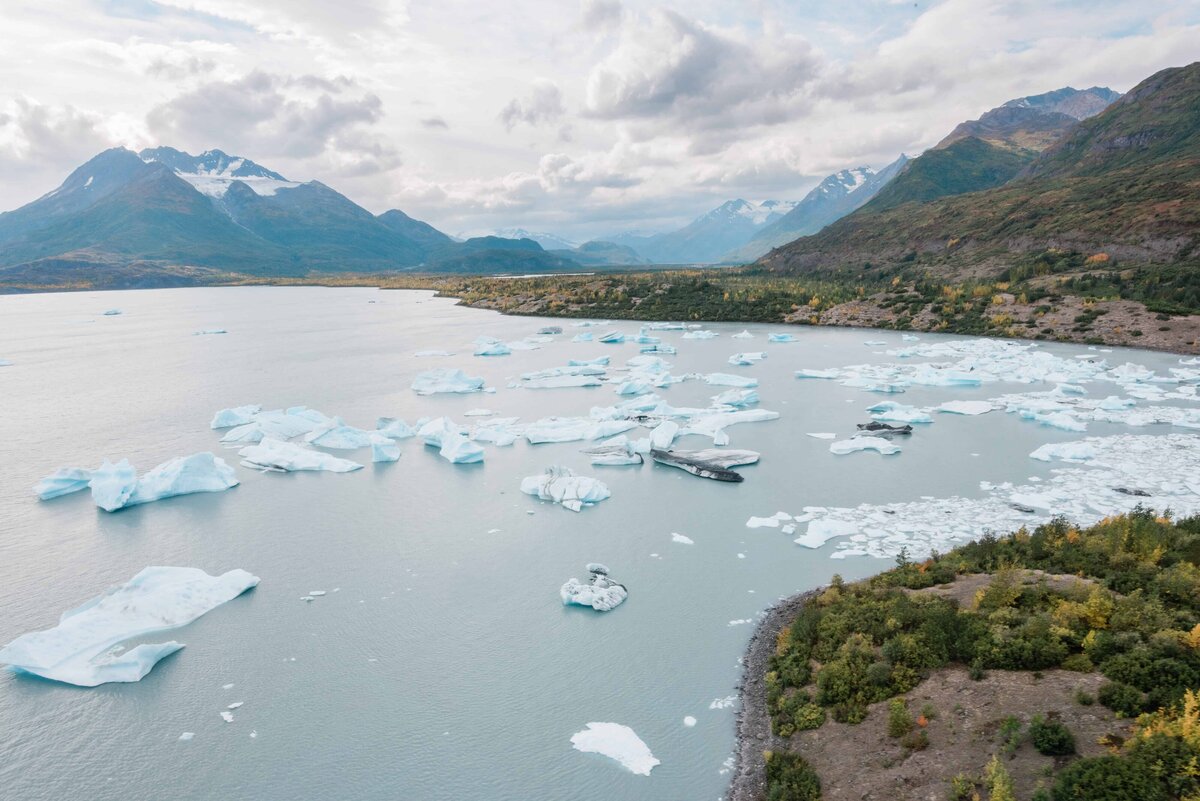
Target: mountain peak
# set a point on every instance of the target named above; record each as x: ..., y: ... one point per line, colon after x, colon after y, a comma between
x: 1036, y: 122
x: 213, y: 171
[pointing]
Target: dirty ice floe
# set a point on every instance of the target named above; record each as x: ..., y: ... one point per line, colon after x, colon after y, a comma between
x: 445, y: 380
x: 612, y: 338
x: 560, y: 485
x: 616, y: 452
x: 599, y: 592
x: 713, y: 463
x: 286, y: 457
x: 617, y: 742
x: 1166, y: 467
x: 82, y: 648
x: 877, y: 444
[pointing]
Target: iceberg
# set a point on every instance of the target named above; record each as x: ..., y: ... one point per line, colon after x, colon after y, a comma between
x: 445, y: 380
x: 966, y: 407
x: 746, y: 359
x: 287, y: 457
x: 613, y: 338
x: 1065, y: 451
x: 599, y: 592
x: 617, y: 451
x: 394, y: 428
x: 781, y: 338
x: 729, y: 380
x: 573, y: 429
x: 878, y: 444
x: 586, y: 336
x: 700, y: 335
x: 183, y: 475
x: 738, y: 398
x: 383, y: 449
x: 112, y: 312
x: 664, y: 435
x: 745, y: 334
x: 809, y: 373
x: 599, y: 361
x: 82, y: 648
x: 711, y: 463
x: 492, y: 349
x: 560, y: 485
x: 237, y: 416
x: 112, y: 484
x: 616, y: 742
x: 458, y: 449
x: 337, y: 435
x: 62, y: 481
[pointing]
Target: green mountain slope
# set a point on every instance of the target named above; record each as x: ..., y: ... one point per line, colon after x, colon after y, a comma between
x: 967, y: 165
x: 1125, y: 184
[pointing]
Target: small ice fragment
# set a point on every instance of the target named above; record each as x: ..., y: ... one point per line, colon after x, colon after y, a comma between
x: 822, y: 435
x: 187, y: 735
x: 743, y: 335
x: 316, y: 593
x: 235, y: 705
x: 226, y: 686
x: 617, y: 742
x: 966, y: 407
x: 112, y: 312
x: 253, y: 734
x: 682, y: 539
x: 781, y: 338
x: 741, y: 556
x: 227, y: 716
x: 600, y: 592
x: 689, y: 721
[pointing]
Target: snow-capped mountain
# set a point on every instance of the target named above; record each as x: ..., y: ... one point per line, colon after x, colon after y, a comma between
x: 835, y: 197
x: 213, y: 171
x: 708, y: 237
x: 547, y: 241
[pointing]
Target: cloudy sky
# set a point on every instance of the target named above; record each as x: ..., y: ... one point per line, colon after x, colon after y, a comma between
x: 581, y: 118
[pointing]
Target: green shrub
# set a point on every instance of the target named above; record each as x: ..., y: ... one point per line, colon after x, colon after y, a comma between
x: 1107, y: 778
x: 1084, y: 698
x: 1051, y: 737
x: 791, y: 778
x: 915, y: 740
x: 1121, y: 698
x: 900, y: 721
x: 809, y: 716
x: 962, y: 788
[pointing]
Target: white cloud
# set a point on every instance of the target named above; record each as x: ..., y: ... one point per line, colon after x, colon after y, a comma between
x: 544, y: 103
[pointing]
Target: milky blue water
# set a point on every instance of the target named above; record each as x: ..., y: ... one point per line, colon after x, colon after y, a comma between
x: 445, y: 666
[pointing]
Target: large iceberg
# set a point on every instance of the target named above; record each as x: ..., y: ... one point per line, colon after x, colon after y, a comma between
x: 560, y: 485
x: 183, y: 475
x: 599, y: 592
x: 82, y: 648
x: 286, y: 457
x: 445, y: 380
x: 711, y: 463
x: 617, y: 742
x: 112, y: 484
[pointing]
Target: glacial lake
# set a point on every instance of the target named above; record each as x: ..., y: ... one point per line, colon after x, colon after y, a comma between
x: 444, y: 666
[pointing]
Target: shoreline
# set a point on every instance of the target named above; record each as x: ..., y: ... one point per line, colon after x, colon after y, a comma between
x: 753, y: 726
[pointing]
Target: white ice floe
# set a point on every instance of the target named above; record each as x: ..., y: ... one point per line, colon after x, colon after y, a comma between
x: 394, y: 428
x: 599, y: 361
x: 664, y: 435
x: 737, y: 398
x: 336, y: 435
x: 574, y: 429
x: 822, y: 435
x: 425, y: 354
x: 383, y: 449
x: 745, y: 334
x: 617, y: 742
x: 892, y: 412
x: 599, y: 592
x: 701, y: 335
x: 966, y: 407
x: 445, y: 380
x: 586, y: 336
x: 781, y: 338
x: 689, y: 721
x: 458, y: 449
x: 877, y: 444
x: 746, y: 359
x: 713, y: 424
x: 811, y: 373
x: 83, y: 649
x: 730, y: 380
x: 682, y: 539
x: 63, y: 481
x: 274, y: 454
x: 560, y: 485
x: 1121, y: 472
x: 237, y: 416
x: 277, y: 424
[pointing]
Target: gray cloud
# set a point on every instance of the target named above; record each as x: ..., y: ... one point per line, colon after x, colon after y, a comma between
x: 544, y: 103
x: 434, y: 122
x: 600, y: 15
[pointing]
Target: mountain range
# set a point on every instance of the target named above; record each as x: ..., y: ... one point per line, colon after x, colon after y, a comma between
x: 1119, y: 187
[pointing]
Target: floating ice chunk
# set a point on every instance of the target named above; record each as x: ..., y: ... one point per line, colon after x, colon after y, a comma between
x: 425, y: 354
x: 700, y: 335
x: 586, y: 336
x: 666, y: 350
x: 562, y: 381
x: 492, y: 349
x: 209, y: 331
x: 337, y: 435
x: 664, y: 434
x: 822, y: 435
x: 689, y: 721
x: 112, y: 484
x: 762, y: 522
x: 746, y: 359
x: 1065, y: 451
x: 738, y: 398
x: 237, y: 416
x: 227, y: 716
x: 573, y: 429
x: 612, y: 338
x: 273, y: 454
x: 682, y: 539
x: 457, y: 449
x: 500, y: 431
x: 599, y: 361
x: 713, y: 424
x: 560, y: 485
x: 810, y: 373
x: 112, y: 312
x: 898, y: 413
x: 80, y: 649
x: 711, y: 463
x: 822, y: 531
x: 600, y: 592
x: 183, y: 475
x: 646, y: 339
x: 634, y: 388
x: 394, y: 428
x: 383, y: 449
x: 909, y: 338
x: 966, y: 407
x: 62, y: 481
x: 616, y: 742
x: 781, y: 338
x: 550, y: 330
x: 1063, y: 420
x: 878, y: 444
x: 187, y: 735
x: 277, y: 424
x: 745, y: 334
x: 615, y: 452
x: 445, y: 380
x: 729, y: 380
x: 435, y: 432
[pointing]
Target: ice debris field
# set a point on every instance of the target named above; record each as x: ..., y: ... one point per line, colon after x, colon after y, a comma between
x: 633, y: 425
